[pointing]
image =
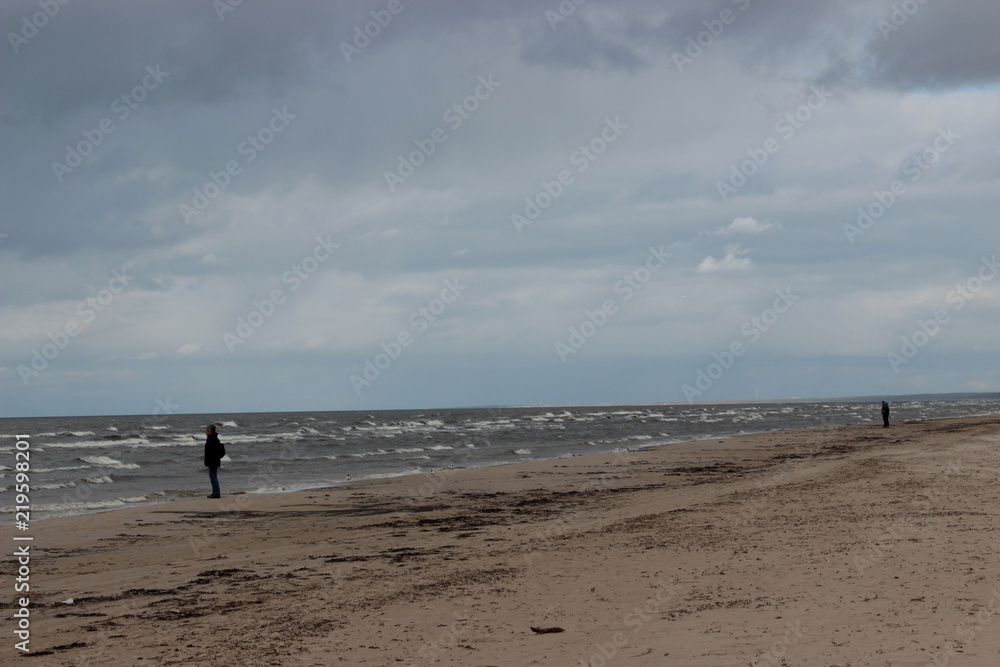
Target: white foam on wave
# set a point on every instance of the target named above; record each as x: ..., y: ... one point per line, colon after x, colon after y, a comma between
x: 376, y: 452
x: 255, y: 438
x: 124, y: 442
x: 324, y: 485
x: 71, y: 509
x: 50, y: 487
x: 522, y: 452
x: 108, y: 462
x: 99, y: 480
x: 48, y: 470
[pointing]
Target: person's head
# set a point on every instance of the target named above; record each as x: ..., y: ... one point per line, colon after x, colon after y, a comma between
x: 210, y: 429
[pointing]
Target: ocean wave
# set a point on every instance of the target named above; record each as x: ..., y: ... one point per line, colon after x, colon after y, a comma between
x: 104, y: 479
x: 38, y: 471
x: 126, y: 442
x: 116, y: 438
x: 50, y: 487
x: 70, y: 509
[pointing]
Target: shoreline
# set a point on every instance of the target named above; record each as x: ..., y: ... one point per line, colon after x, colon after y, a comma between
x: 142, y: 464
x: 850, y: 543
x: 418, y: 473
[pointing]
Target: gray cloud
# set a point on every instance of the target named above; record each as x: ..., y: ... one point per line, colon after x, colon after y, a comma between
x: 937, y: 47
x: 484, y: 114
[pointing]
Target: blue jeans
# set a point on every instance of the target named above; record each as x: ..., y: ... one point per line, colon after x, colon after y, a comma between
x: 213, y: 475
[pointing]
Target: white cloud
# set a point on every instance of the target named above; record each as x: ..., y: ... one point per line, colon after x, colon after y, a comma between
x: 733, y: 261
x: 747, y: 225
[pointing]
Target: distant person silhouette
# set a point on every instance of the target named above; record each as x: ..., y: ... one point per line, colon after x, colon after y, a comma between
x: 885, y: 415
x: 214, y: 451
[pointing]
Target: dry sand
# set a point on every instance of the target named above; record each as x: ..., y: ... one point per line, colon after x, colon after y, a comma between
x: 851, y: 545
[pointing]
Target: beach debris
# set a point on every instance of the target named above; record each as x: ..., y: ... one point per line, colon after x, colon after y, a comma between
x: 545, y: 631
x: 68, y: 601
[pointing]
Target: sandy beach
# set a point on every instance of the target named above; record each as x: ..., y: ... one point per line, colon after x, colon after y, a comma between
x: 852, y: 545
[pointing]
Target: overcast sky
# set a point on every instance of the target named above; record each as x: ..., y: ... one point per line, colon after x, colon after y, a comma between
x: 395, y: 204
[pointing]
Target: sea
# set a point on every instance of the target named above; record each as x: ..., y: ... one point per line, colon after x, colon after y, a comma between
x: 87, y: 464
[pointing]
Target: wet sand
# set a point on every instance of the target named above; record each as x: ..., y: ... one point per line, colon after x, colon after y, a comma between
x: 852, y: 545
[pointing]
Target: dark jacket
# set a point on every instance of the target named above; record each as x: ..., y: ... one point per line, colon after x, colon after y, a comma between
x: 213, y: 451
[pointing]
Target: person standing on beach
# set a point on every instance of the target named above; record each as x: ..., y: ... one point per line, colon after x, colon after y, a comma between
x: 214, y: 452
x: 885, y: 415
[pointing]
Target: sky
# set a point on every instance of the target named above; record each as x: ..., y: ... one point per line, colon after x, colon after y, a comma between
x: 260, y: 206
